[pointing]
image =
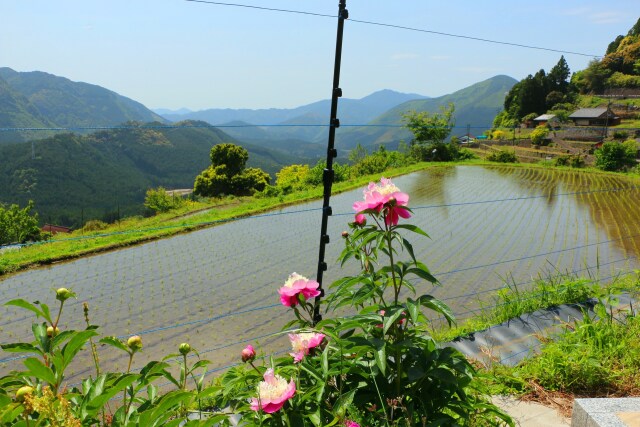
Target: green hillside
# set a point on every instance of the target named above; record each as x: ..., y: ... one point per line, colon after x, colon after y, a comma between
x: 476, y: 106
x: 38, y: 99
x: 106, y: 174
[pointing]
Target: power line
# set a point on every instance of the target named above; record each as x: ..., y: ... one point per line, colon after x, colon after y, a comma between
x: 440, y: 33
x: 401, y: 27
x: 270, y: 9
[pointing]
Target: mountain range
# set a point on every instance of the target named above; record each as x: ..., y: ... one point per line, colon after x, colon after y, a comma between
x: 75, y: 177
x: 38, y: 99
x: 370, y: 121
x: 105, y: 174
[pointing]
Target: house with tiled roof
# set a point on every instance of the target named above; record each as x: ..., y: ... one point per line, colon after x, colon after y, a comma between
x: 594, y: 117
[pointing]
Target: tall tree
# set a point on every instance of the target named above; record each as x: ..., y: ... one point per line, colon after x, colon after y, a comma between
x: 558, y: 76
x: 430, y: 127
x: 228, y: 175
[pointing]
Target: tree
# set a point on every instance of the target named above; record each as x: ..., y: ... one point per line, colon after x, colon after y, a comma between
x: 227, y: 173
x: 232, y: 156
x: 429, y: 128
x: 357, y: 154
x: 539, y: 135
x: 19, y: 225
x: 292, y: 177
x: 614, y: 156
x: 558, y: 76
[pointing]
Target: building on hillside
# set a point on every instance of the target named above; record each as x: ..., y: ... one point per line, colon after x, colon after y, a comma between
x: 594, y: 117
x: 55, y: 229
x: 547, y: 119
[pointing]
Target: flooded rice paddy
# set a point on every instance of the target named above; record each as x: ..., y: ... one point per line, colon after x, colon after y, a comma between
x: 217, y: 288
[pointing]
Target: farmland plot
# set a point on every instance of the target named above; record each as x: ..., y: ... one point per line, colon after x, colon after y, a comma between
x: 216, y: 288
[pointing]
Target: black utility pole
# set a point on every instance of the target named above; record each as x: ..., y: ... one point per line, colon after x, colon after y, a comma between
x: 327, y: 175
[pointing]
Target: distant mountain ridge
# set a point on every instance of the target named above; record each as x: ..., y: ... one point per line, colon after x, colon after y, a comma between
x: 475, y: 108
x: 39, y: 99
x: 75, y: 177
x: 278, y: 121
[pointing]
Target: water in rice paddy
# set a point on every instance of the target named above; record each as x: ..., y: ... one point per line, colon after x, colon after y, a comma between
x: 217, y: 288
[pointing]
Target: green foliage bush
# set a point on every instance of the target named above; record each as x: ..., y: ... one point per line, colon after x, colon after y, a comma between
x: 292, y: 177
x: 340, y: 173
x: 615, y: 156
x: 19, y: 225
x: 227, y: 174
x: 95, y: 225
x: 158, y: 200
x: 503, y: 156
x: 539, y: 135
x: 572, y: 160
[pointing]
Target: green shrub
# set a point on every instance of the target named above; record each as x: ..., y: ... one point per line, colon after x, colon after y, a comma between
x: 158, y: 200
x: 572, y: 160
x: 95, y: 225
x: 615, y: 156
x: 503, y: 156
x: 539, y: 135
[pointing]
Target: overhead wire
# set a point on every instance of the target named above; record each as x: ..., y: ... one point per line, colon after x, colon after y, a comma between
x: 401, y: 27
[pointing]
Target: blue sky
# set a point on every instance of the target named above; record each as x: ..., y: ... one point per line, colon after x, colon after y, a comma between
x: 174, y: 53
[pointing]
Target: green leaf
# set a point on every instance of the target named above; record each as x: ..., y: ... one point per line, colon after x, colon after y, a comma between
x: 75, y: 344
x: 26, y: 305
x: 423, y: 272
x: 21, y: 347
x: 343, y: 402
x: 391, y: 318
x: 380, y: 354
x: 412, y: 228
x: 114, y: 342
x: 438, y: 306
x: 409, y: 248
x: 121, y: 383
x: 39, y: 370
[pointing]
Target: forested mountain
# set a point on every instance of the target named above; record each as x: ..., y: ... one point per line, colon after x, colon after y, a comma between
x: 74, y: 177
x: 475, y: 107
x: 38, y: 99
x: 350, y: 111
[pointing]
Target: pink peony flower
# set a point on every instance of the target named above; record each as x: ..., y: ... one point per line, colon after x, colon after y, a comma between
x: 301, y: 344
x: 350, y: 423
x: 248, y: 354
x: 296, y: 285
x: 384, y: 196
x: 272, y: 393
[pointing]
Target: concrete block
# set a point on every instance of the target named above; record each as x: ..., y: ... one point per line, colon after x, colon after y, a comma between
x: 608, y: 412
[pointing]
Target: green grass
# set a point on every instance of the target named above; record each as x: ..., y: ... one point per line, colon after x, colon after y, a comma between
x: 594, y: 357
x: 511, y: 302
x: 597, y: 356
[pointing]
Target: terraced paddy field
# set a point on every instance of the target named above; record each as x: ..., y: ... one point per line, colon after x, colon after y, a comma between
x: 217, y: 288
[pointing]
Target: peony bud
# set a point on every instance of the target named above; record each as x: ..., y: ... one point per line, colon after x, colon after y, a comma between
x: 23, y: 392
x: 248, y: 354
x: 184, y: 349
x: 345, y: 234
x: 134, y: 343
x: 51, y: 332
x: 63, y: 294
